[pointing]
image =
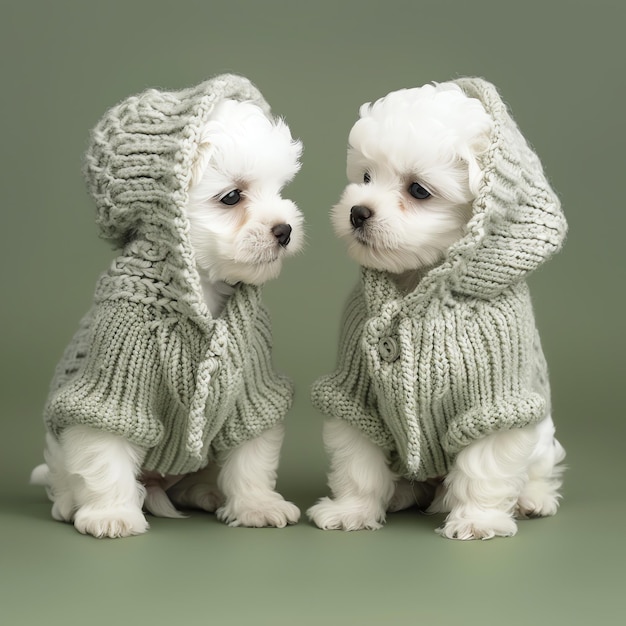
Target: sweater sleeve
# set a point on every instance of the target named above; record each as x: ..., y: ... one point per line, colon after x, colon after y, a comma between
x: 256, y: 396
x: 348, y: 393
x: 110, y: 377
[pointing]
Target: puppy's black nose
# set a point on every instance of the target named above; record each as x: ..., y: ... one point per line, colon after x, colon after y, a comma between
x: 358, y: 215
x: 282, y: 232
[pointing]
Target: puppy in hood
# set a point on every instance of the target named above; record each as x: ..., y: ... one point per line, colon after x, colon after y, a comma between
x: 441, y: 383
x: 170, y: 371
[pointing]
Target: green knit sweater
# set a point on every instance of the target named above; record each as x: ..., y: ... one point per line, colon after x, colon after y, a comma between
x: 148, y: 361
x: 426, y: 373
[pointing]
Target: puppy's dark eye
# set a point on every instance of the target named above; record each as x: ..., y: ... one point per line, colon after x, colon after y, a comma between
x: 419, y: 192
x: 231, y: 198
x: 367, y: 178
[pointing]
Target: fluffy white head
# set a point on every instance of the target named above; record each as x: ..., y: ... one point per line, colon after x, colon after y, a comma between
x: 413, y: 170
x: 240, y: 226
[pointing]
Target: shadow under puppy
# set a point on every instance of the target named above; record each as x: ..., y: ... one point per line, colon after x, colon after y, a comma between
x: 170, y: 373
x: 441, y: 393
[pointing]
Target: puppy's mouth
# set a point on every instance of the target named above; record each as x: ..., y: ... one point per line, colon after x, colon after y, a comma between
x: 259, y: 256
x: 373, y: 237
x: 257, y: 248
x: 361, y: 237
x: 267, y: 261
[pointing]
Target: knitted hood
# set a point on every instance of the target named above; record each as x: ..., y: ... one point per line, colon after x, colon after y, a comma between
x: 149, y: 362
x: 138, y: 164
x: 138, y: 170
x: 517, y: 221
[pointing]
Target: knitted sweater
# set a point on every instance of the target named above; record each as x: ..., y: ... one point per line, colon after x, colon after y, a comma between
x: 148, y: 361
x: 426, y: 373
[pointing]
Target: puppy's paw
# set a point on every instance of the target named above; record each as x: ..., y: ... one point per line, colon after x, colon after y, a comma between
x: 478, y: 525
x: 110, y: 523
x: 346, y: 514
x: 539, y: 499
x: 258, y: 513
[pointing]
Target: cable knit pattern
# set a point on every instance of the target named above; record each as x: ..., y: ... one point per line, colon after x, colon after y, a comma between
x: 426, y: 373
x: 148, y: 361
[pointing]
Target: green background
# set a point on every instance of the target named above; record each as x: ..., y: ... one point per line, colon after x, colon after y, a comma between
x: 560, y: 65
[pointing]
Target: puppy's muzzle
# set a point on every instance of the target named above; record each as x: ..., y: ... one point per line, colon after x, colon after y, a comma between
x: 282, y: 232
x: 359, y: 215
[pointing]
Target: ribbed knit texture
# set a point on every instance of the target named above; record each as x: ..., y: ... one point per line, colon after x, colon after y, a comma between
x: 148, y: 361
x: 425, y: 374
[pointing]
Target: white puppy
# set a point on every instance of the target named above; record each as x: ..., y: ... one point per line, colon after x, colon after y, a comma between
x: 240, y: 229
x: 415, y: 169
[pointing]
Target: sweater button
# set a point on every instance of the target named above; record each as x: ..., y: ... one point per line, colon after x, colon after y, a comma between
x: 388, y: 349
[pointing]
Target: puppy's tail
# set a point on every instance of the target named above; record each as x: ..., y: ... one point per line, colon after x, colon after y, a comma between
x: 40, y: 476
x: 158, y: 503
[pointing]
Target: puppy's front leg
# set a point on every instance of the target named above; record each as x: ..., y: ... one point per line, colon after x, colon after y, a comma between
x: 100, y: 469
x: 484, y: 484
x: 248, y: 480
x: 360, y: 480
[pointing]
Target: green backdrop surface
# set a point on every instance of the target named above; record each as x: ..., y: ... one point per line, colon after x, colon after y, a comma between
x: 560, y: 66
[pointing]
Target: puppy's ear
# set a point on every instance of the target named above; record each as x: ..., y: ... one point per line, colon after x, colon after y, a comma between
x: 203, y: 156
x: 475, y: 173
x: 471, y: 154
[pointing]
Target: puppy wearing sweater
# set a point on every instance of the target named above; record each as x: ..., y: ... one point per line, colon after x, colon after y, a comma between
x: 441, y: 392
x: 168, y: 383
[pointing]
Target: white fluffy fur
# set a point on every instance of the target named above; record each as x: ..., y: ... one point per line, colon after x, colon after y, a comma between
x: 431, y: 135
x: 247, y: 152
x: 414, y: 135
x: 95, y: 478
